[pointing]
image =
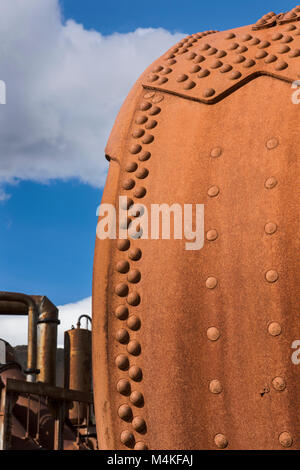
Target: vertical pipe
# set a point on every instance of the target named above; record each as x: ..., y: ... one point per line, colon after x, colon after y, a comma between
x: 47, y: 341
x: 32, y: 344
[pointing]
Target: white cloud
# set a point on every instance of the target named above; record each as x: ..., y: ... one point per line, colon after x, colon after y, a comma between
x: 64, y: 87
x: 14, y: 328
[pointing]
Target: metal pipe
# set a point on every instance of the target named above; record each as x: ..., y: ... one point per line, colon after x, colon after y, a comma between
x: 42, y: 332
x: 47, y: 340
x: 10, y: 298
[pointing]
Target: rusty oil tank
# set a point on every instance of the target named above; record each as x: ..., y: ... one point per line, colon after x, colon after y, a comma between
x: 78, y: 366
x: 192, y: 349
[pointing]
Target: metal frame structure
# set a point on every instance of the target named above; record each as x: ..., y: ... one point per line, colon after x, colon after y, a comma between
x: 59, y: 397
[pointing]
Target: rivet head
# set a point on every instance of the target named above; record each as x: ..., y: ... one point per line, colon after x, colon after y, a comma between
x: 213, y: 191
x: 209, y: 92
x: 261, y: 54
x: 264, y: 44
x: 221, y: 54
x: 134, y: 347
x: 166, y: 71
x: 213, y: 333
x: 272, y: 143
x: 135, y: 148
x: 216, y: 152
x: 239, y: 59
x: 279, y: 384
x: 271, y: 58
x: 274, y: 329
x: 230, y: 35
x: 144, y: 156
x: 122, y: 312
x: 226, y: 68
x: 142, y: 173
x: 216, y: 64
x: 194, y: 69
x: 134, y: 323
x: 152, y: 77
x: 140, y: 192
x: 211, y: 283
x: 150, y: 94
x: 131, y: 166
x: 151, y: 124
x: 154, y: 111
x: 221, y: 441
x: 136, y: 398
x: 281, y: 65
x: 204, y: 47
x: 215, y: 387
x: 123, y: 387
x: 295, y: 53
x: 137, y: 133
x: 135, y: 373
x: 285, y: 439
x: 212, y: 235
x: 189, y: 85
x: 233, y: 46
x: 122, y: 336
x: 135, y: 254
x: 199, y: 59
x: 272, y: 276
x: 203, y: 73
x: 235, y: 75
x: 271, y: 183
x: 123, y: 267
x: 277, y: 36
x: 270, y: 228
x: 134, y: 276
x: 125, y: 412
x: 246, y: 37
x: 128, y: 184
x: 147, y: 139
x: 145, y: 105
x: 249, y: 63
x: 287, y: 39
x: 127, y: 438
x: 122, y: 362
x: 138, y: 424
x: 140, y: 445
x: 284, y: 49
x: 121, y: 289
x: 156, y: 69
x: 133, y: 299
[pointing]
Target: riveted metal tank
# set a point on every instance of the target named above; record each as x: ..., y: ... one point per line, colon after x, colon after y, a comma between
x: 78, y: 366
x: 192, y: 349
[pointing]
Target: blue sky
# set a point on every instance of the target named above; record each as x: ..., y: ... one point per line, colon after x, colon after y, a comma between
x: 64, y: 88
x: 174, y: 15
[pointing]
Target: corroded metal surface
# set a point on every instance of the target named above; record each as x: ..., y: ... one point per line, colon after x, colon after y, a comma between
x: 78, y: 368
x: 192, y: 349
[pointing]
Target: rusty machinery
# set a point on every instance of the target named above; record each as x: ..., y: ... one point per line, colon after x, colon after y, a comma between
x: 192, y: 349
x: 78, y: 360
x: 34, y: 411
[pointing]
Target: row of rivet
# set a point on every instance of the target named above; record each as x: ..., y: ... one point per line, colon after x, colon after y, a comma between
x: 274, y: 328
x: 285, y: 439
x: 159, y: 72
x: 189, y: 84
x: 144, y: 122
